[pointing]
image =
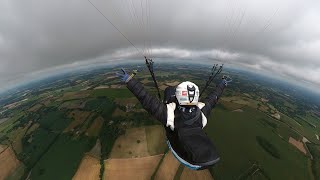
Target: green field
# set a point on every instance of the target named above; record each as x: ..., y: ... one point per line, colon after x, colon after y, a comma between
x: 41, y: 141
x: 10, y: 123
x: 62, y: 159
x: 315, y: 151
x: 54, y: 120
x: 99, y: 104
x: 235, y: 136
x: 304, y: 128
x: 112, y: 93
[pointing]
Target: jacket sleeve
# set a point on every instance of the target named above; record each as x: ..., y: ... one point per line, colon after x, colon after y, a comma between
x: 150, y: 103
x: 212, y: 99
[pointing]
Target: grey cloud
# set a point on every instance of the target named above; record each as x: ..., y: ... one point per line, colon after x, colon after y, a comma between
x: 276, y: 37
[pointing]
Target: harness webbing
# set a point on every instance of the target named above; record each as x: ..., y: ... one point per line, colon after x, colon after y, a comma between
x: 149, y: 64
x: 214, y: 72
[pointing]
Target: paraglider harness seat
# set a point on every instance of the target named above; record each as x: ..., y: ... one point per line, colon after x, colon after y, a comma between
x: 191, y: 146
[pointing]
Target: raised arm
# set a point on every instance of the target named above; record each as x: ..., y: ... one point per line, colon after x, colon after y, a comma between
x: 212, y: 99
x: 150, y: 103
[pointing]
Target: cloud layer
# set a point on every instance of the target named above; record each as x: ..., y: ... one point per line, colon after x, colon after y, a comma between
x: 282, y: 38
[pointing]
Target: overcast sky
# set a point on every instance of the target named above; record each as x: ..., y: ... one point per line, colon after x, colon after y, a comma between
x: 277, y: 36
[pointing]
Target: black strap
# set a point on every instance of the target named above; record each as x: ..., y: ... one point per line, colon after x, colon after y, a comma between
x: 191, y: 121
x: 149, y: 64
x: 214, y: 72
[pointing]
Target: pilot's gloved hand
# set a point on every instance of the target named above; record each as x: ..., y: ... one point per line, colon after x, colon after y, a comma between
x: 124, y: 76
x: 226, y: 80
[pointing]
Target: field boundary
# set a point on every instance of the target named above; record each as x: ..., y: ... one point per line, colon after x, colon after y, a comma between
x: 160, y: 162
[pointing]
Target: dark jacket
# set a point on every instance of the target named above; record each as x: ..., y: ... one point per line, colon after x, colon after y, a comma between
x: 184, y: 133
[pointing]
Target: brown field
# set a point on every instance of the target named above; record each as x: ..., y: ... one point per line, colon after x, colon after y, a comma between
x: 175, y: 83
x: 124, y: 102
x: 74, y: 95
x: 276, y: 115
x: 129, y: 103
x: 238, y: 110
x: 231, y: 106
x: 9, y: 163
x: 102, y: 87
x: 194, y: 175
x: 95, y: 127
x: 242, y: 100
x: 156, y: 139
x: 263, y: 108
x: 168, y: 167
x: 76, y: 104
x: 96, y: 150
x: 16, y: 137
x: 116, y: 86
x: 111, y: 77
x: 132, y: 144
x: 163, y: 87
x: 85, y: 88
x: 145, y: 81
x: 12, y: 105
x: 131, y: 168
x: 299, y: 145
x: 89, y: 168
x: 35, y: 108
x: 79, y: 117
x: 47, y: 100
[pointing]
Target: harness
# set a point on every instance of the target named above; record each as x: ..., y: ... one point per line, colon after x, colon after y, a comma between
x: 170, y: 115
x: 198, y: 151
x: 185, y: 163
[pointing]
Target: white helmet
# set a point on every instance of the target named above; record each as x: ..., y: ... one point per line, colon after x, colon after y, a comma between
x: 187, y: 93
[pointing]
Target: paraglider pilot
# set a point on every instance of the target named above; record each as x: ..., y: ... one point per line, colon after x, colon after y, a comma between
x: 184, y: 119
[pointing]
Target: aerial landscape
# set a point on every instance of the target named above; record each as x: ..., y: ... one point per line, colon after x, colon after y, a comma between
x: 84, y: 88
x: 87, y: 124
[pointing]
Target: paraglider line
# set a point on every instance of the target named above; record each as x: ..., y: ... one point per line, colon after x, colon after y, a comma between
x: 115, y: 27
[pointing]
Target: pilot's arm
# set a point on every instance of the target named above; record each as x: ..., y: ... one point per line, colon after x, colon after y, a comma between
x: 212, y: 99
x: 150, y: 103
